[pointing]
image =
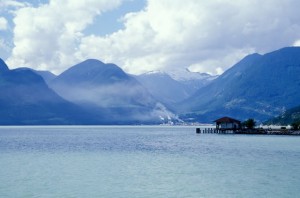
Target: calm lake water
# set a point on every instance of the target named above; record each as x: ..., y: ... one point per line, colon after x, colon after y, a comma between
x: 145, y: 162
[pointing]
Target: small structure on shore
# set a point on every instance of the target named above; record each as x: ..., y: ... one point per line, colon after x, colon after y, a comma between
x: 226, y: 124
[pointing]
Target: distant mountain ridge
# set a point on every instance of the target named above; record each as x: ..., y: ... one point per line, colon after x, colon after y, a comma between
x: 95, y: 84
x: 172, y: 87
x: 46, y: 75
x: 102, y: 94
x: 92, y: 92
x: 187, y: 75
x: 94, y: 71
x: 25, y: 99
x: 259, y: 86
x: 164, y: 88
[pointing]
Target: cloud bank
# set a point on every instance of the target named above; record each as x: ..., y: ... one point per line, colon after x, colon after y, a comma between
x: 47, y: 37
x: 12, y: 3
x: 3, y: 23
x: 204, y: 36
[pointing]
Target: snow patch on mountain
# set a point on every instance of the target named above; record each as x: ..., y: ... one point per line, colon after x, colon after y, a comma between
x: 187, y: 75
x: 182, y: 75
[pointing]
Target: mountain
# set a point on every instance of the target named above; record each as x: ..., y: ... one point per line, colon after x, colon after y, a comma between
x: 93, y: 84
x: 46, y: 75
x: 3, y: 66
x: 175, y: 86
x: 259, y: 86
x: 194, y: 80
x: 25, y: 99
x: 164, y: 88
x: 288, y: 117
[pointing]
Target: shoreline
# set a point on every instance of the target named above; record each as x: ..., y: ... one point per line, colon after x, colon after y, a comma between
x: 259, y: 131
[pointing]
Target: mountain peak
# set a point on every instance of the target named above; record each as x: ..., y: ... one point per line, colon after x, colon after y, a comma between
x: 286, y: 51
x: 94, y: 72
x: 186, y: 75
x: 93, y: 64
x: 92, y: 61
x: 3, y: 66
x: 153, y: 72
x: 292, y: 48
x: 258, y: 86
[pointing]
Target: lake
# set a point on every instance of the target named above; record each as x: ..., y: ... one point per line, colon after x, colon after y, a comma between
x: 145, y: 161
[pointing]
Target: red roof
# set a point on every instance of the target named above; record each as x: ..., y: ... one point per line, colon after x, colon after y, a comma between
x: 227, y: 119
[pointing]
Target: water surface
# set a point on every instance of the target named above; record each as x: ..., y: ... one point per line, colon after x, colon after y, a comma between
x: 144, y: 161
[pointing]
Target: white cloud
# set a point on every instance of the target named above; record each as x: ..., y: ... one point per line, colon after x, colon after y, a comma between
x: 207, y: 36
x: 3, y: 23
x: 297, y: 43
x: 47, y: 37
x: 3, y: 45
x: 4, y: 4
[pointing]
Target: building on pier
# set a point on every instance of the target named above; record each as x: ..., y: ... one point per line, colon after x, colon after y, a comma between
x: 226, y: 124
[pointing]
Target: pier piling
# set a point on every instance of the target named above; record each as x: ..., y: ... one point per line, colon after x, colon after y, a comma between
x: 206, y: 130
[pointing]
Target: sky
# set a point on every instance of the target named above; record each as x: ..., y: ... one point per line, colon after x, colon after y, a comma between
x: 144, y: 35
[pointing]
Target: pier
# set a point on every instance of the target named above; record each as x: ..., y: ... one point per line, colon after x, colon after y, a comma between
x: 214, y: 130
x: 227, y: 125
x: 257, y: 131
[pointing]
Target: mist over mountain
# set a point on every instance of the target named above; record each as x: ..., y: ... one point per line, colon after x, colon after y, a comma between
x: 259, y: 86
x: 92, y: 92
x: 175, y: 86
x: 46, y: 75
x: 94, y: 84
x: 26, y: 99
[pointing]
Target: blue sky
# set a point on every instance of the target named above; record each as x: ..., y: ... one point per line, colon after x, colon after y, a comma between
x: 112, y: 19
x: 144, y: 35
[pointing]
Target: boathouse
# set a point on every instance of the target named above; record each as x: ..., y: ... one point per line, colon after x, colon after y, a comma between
x: 227, y: 124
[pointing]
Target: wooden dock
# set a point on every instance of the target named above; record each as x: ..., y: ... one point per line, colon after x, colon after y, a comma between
x: 214, y: 130
x: 258, y: 131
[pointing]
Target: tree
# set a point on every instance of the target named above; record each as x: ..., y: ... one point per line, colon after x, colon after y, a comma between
x: 249, y: 124
x: 295, y: 125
